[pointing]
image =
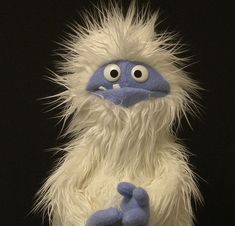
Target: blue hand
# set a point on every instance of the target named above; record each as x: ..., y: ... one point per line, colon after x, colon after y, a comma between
x: 135, y: 205
x: 134, y: 209
x: 107, y: 217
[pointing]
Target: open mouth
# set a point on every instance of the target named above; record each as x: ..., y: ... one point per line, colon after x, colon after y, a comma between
x: 117, y: 86
x: 127, y: 96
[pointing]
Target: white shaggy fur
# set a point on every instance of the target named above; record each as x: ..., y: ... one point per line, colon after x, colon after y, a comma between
x: 109, y: 143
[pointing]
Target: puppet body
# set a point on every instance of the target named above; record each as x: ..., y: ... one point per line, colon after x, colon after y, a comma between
x: 121, y: 126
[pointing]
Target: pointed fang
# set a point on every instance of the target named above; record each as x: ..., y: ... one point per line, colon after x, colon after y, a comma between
x: 102, y: 88
x: 116, y: 86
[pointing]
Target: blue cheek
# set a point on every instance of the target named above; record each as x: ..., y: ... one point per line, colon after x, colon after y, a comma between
x: 130, y: 91
x: 98, y: 80
x: 155, y: 81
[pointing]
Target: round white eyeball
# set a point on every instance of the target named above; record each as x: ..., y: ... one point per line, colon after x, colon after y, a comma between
x: 140, y: 73
x: 112, y: 72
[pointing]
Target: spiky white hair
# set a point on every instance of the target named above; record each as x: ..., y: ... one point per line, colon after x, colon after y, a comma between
x: 110, y: 143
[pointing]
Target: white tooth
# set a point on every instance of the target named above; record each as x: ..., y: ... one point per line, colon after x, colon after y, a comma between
x: 116, y: 86
x: 102, y: 88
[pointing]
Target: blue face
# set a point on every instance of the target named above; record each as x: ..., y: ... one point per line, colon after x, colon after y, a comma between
x: 127, y: 83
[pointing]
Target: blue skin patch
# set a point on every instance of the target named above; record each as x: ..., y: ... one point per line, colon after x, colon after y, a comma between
x: 128, y: 90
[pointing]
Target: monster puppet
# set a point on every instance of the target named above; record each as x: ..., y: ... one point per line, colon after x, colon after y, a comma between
x: 124, y: 92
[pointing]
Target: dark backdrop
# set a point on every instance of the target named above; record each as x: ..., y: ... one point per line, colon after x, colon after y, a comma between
x: 28, y: 33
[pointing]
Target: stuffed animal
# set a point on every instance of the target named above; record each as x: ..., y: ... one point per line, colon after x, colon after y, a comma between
x: 125, y: 90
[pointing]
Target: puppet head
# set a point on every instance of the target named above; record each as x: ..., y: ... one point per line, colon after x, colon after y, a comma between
x: 120, y: 70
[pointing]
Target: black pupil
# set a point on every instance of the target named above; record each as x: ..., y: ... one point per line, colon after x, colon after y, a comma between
x: 138, y: 73
x: 114, y: 73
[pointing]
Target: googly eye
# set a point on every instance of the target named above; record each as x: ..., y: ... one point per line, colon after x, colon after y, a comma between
x: 140, y: 73
x: 112, y: 72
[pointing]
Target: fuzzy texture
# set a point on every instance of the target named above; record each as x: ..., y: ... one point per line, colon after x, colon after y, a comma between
x: 110, y: 143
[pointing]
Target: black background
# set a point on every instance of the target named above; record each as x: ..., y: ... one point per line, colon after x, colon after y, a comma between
x: 28, y: 33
